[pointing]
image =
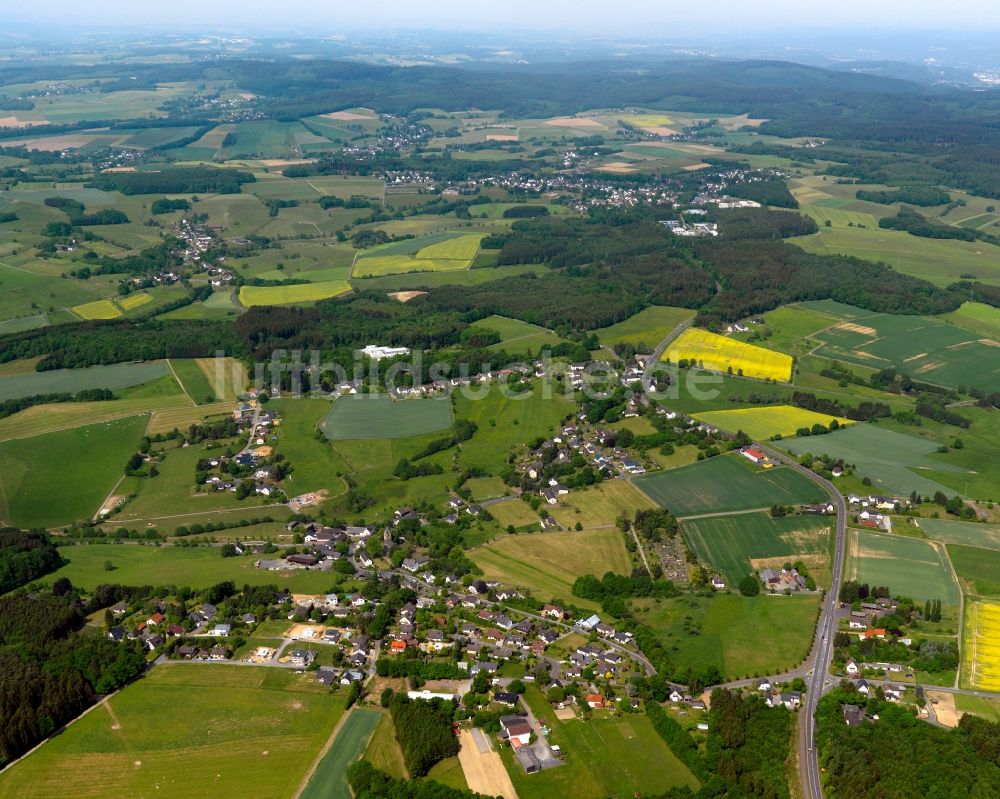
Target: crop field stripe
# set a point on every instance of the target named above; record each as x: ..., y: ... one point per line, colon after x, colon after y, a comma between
x: 351, y: 739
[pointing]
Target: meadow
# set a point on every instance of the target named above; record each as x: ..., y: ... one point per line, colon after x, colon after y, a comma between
x: 978, y: 569
x: 763, y: 422
x: 514, y: 513
x: 383, y: 750
x: 251, y: 296
x: 62, y: 477
x: 547, y: 563
x: 788, y: 329
x: 726, y: 483
x: 909, y: 566
x: 646, y: 329
x: 454, y: 253
x: 731, y: 544
x: 193, y: 380
x: 981, y: 647
x: 922, y: 347
x: 329, y: 781
x: 740, y: 636
x: 186, y: 730
x: 362, y: 416
x: 314, y: 463
x: 976, y: 317
x: 196, y: 567
x: 112, y: 376
x: 518, y: 336
x: 600, y: 505
x: 721, y: 354
x: 892, y: 461
x: 605, y: 758
x: 986, y: 536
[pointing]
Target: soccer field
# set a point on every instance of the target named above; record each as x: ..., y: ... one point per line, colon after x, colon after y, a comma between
x: 726, y: 483
x: 379, y: 416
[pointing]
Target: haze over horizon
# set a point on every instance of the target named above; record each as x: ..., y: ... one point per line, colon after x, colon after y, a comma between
x: 645, y: 18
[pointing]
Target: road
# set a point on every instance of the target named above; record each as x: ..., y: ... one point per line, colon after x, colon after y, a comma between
x: 822, y: 651
x: 647, y: 377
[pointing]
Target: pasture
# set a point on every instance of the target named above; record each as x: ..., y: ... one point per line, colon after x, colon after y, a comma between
x: 518, y: 336
x: 985, y: 536
x: 197, y: 567
x: 909, y: 566
x: 921, y: 347
x: 724, y: 484
x: 976, y: 317
x: 893, y: 461
x: 378, y: 416
x: 721, y: 354
x: 328, y: 781
x: 514, y: 513
x: 646, y: 329
x: 63, y: 476
x: 731, y: 544
x: 605, y: 758
x: 315, y: 464
x: 978, y: 569
x: 547, y: 563
x: 740, y: 636
x: 768, y: 420
x: 981, y: 647
x: 600, y: 505
x: 112, y: 376
x: 251, y: 296
x: 193, y: 380
x: 187, y: 730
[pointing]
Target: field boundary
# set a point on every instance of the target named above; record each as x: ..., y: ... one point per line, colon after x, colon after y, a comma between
x: 304, y: 782
x: 183, y: 387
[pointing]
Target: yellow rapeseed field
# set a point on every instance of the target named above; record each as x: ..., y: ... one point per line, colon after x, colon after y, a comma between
x: 984, y: 648
x: 720, y: 354
x: 98, y: 309
x: 133, y: 301
x: 766, y: 421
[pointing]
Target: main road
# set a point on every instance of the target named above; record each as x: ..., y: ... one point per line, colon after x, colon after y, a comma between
x: 812, y: 787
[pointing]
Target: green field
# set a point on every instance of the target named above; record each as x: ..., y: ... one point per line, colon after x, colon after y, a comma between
x: 976, y: 317
x: 193, y: 379
x: 328, y: 781
x: 251, y: 296
x: 724, y: 484
x: 114, y: 376
x: 986, y: 536
x: 646, y: 329
x: 788, y: 329
x: 450, y: 253
x: 314, y: 463
x: 548, y: 563
x: 728, y: 544
x: 740, y: 636
x: 63, y: 477
x: 922, y: 347
x: 765, y: 421
x: 383, y: 750
x: 600, y: 505
x: 909, y: 566
x: 941, y: 261
x: 359, y: 416
x: 893, y: 461
x: 514, y: 513
x: 187, y: 730
x: 978, y: 569
x: 518, y: 336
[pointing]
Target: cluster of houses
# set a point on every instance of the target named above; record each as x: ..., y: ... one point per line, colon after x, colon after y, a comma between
x: 873, y: 511
x: 776, y: 698
x: 778, y: 580
x: 691, y: 229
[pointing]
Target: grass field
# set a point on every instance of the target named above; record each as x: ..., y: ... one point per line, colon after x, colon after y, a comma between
x: 383, y: 750
x: 986, y: 536
x: 646, y: 329
x: 514, y: 512
x: 251, y: 296
x: 197, y: 567
x: 194, y: 380
x: 600, y: 505
x: 768, y: 420
x: 518, y: 336
x: 728, y: 544
x: 61, y: 477
x: 978, y: 706
x: 978, y: 569
x: 605, y: 758
x: 789, y: 329
x: 740, y: 636
x: 451, y: 254
x: 720, y: 354
x: 378, y: 416
x: 315, y: 464
x: 976, y: 317
x: 922, y: 347
x: 98, y: 309
x: 548, y: 563
x: 891, y: 460
x: 39, y: 419
x: 187, y: 730
x: 724, y: 484
x: 981, y: 650
x: 328, y: 781
x: 910, y: 567
x: 113, y: 376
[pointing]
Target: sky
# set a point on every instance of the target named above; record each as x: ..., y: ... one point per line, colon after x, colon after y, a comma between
x: 663, y: 19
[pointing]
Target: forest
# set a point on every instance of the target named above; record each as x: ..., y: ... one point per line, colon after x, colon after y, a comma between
x: 24, y: 557
x: 176, y: 180
x: 424, y: 731
x: 901, y: 756
x: 367, y: 782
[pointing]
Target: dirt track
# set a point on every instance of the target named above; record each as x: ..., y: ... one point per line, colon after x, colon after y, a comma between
x: 485, y: 772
